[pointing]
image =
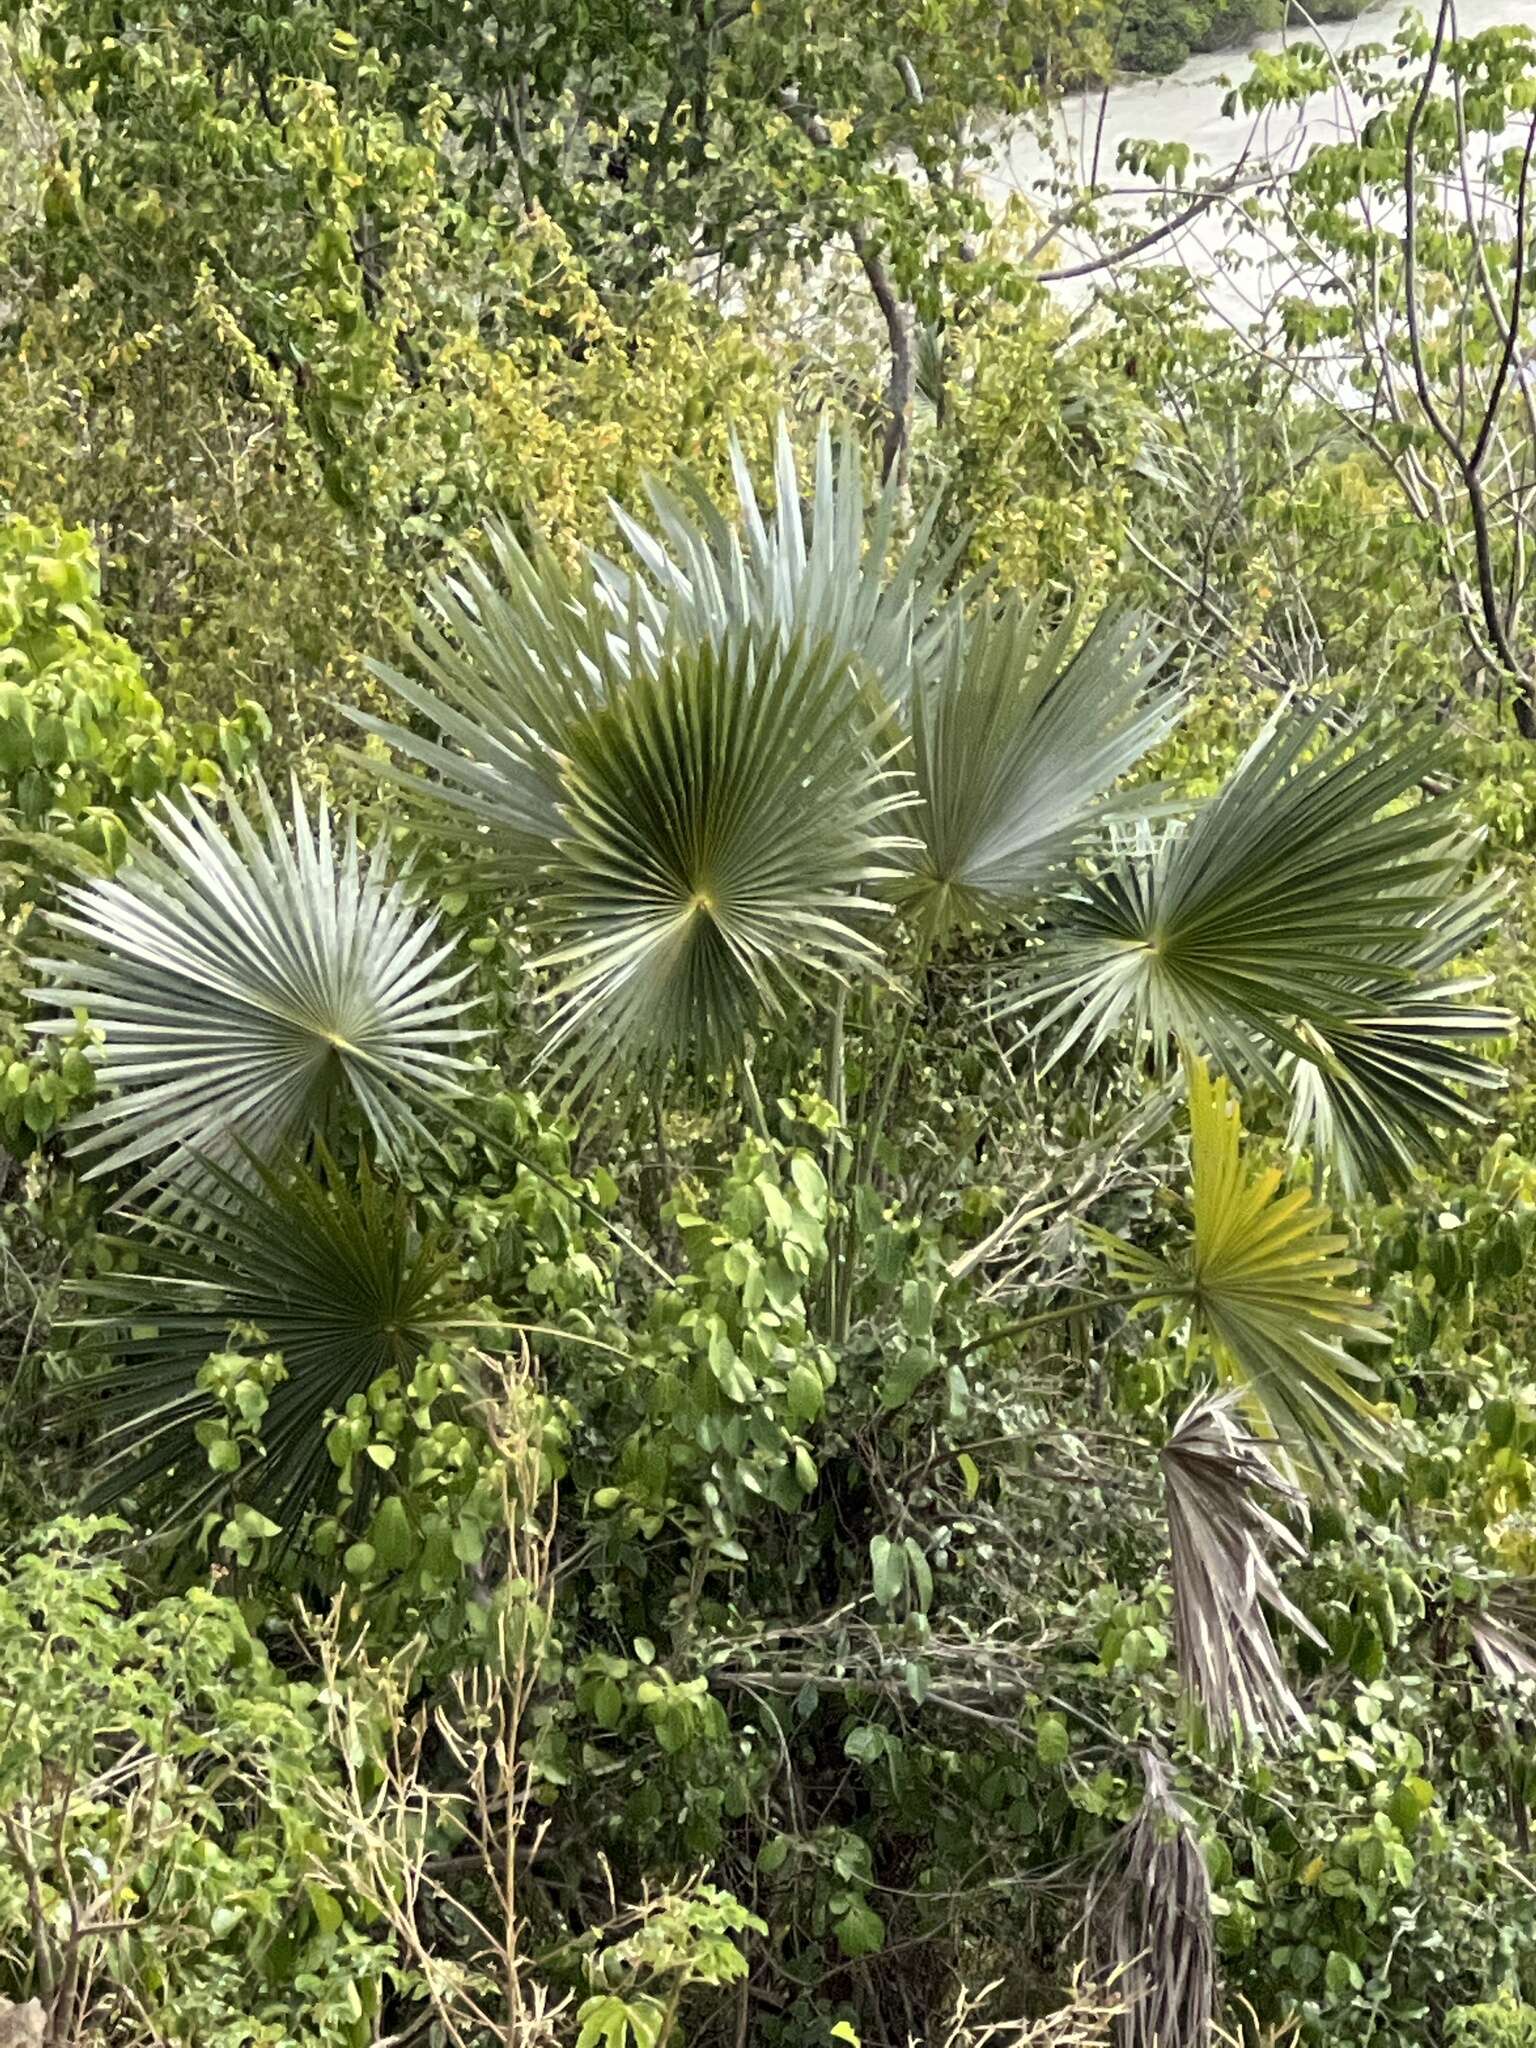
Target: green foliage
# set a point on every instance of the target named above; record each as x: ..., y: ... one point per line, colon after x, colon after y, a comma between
x: 778, y: 1575
x: 82, y: 735
x: 1503, y: 2023
x: 166, y: 1858
x: 341, y: 1283
x: 82, y: 740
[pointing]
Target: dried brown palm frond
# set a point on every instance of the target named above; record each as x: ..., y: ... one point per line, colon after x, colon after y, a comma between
x: 1222, y: 1543
x: 1504, y: 1635
x: 1148, y: 1922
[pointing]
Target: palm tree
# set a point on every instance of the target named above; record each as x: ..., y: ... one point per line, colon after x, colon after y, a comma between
x: 341, y: 1280
x: 778, y: 758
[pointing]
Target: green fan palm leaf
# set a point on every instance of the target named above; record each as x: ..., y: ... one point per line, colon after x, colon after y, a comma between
x: 691, y: 768
x: 508, y: 655
x: 1388, y: 1075
x: 830, y: 568
x: 511, y: 654
x: 242, y: 983
x: 336, y: 1278
x: 1018, y: 738
x: 723, y: 843
x: 1301, y: 912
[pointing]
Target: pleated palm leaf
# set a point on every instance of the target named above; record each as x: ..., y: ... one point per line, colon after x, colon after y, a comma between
x: 1222, y: 1542
x: 723, y: 844
x: 1264, y: 1281
x: 689, y: 770
x: 829, y: 568
x: 333, y: 1275
x: 243, y: 984
x: 1018, y: 739
x: 1389, y: 1075
x: 508, y: 655
x: 1299, y: 914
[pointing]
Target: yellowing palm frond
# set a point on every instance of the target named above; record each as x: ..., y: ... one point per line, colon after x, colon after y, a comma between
x: 1266, y: 1281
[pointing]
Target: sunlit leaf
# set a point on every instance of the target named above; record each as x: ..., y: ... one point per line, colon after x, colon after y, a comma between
x: 1264, y: 1279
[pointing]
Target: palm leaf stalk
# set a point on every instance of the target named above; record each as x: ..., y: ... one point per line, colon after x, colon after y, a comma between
x: 1222, y: 1542
x: 337, y: 1278
x: 245, y: 984
x: 1295, y: 928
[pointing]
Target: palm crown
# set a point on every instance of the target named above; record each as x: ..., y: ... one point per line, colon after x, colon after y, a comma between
x: 771, y: 758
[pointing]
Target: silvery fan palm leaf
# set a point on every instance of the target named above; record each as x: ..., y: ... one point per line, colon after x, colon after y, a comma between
x: 334, y: 1275
x: 1018, y: 738
x: 1303, y: 909
x: 507, y: 655
x: 828, y: 567
x: 695, y: 818
x: 243, y: 983
x: 1264, y: 1280
x: 723, y: 844
x: 1222, y: 1541
x: 1394, y: 1069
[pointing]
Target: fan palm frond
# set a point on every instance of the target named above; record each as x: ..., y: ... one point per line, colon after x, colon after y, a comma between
x: 510, y: 654
x: 1017, y: 741
x: 1264, y: 1281
x: 1389, y: 1074
x: 828, y: 571
x: 1297, y: 916
x: 1149, y: 1922
x: 242, y: 983
x: 723, y: 841
x: 336, y: 1278
x: 1222, y: 1542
